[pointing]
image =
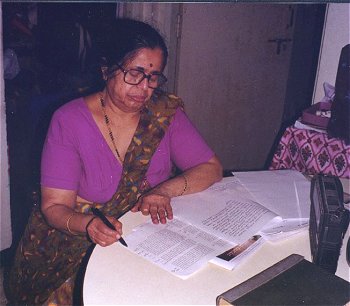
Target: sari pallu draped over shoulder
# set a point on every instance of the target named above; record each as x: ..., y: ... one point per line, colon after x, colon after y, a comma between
x: 47, y: 257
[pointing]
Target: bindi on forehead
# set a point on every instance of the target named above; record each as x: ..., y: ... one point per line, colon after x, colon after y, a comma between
x: 151, y: 65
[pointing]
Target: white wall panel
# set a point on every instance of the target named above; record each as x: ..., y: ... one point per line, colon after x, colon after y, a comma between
x: 336, y: 36
x: 5, y: 216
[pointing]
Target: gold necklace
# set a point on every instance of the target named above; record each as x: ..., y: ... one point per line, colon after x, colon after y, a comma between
x: 108, y: 124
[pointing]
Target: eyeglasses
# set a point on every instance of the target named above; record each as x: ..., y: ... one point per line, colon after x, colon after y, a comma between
x: 136, y: 76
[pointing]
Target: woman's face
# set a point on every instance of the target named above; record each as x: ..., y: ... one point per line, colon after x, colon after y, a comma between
x: 132, y: 98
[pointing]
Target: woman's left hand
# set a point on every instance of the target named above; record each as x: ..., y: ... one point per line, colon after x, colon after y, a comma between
x: 156, y: 202
x: 156, y: 205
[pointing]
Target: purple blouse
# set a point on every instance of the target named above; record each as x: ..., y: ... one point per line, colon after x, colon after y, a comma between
x: 77, y: 157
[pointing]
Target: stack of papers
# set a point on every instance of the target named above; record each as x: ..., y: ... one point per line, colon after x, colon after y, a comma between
x: 226, y: 222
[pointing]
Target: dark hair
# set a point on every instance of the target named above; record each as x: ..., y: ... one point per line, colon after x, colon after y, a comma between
x: 124, y: 37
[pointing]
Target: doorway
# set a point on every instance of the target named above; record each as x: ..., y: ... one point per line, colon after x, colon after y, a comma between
x: 244, y: 70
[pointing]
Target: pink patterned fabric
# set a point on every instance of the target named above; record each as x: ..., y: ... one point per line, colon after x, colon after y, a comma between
x: 312, y: 152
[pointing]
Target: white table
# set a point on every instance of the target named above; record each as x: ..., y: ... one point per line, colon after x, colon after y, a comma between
x: 116, y: 276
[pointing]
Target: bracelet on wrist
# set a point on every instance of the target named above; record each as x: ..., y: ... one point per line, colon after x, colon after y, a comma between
x: 67, y: 224
x: 185, y: 185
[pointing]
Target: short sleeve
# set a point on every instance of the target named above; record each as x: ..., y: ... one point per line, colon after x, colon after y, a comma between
x: 187, y: 146
x: 60, y: 162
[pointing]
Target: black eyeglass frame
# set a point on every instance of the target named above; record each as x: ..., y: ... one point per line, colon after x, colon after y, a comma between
x: 145, y: 76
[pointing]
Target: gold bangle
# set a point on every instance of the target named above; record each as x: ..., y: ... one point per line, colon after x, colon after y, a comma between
x: 67, y: 224
x: 185, y: 186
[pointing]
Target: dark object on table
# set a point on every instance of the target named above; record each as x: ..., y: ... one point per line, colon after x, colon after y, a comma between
x: 292, y: 281
x: 329, y: 221
x: 339, y: 124
x: 317, y: 115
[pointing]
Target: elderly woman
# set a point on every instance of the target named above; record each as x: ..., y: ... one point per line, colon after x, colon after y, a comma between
x: 113, y: 150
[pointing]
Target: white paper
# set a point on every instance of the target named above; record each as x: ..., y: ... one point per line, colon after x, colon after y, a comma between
x: 214, y: 223
x: 284, y: 228
x: 268, y: 204
x: 229, y: 217
x: 177, y: 246
x: 276, y: 230
x: 285, y: 192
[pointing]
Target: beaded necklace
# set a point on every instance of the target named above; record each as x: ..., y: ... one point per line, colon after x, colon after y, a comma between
x: 107, y: 121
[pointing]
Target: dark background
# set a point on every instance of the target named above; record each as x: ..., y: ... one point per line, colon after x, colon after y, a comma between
x: 51, y: 74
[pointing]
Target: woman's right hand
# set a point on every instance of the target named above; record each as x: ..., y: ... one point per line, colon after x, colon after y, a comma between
x: 101, y: 234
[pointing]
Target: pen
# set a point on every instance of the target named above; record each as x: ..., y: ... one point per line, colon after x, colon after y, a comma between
x: 99, y: 214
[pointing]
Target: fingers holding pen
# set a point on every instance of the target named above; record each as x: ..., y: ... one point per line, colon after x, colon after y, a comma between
x: 101, y: 234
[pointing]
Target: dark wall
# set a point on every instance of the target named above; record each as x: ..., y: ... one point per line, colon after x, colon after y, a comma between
x: 51, y: 75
